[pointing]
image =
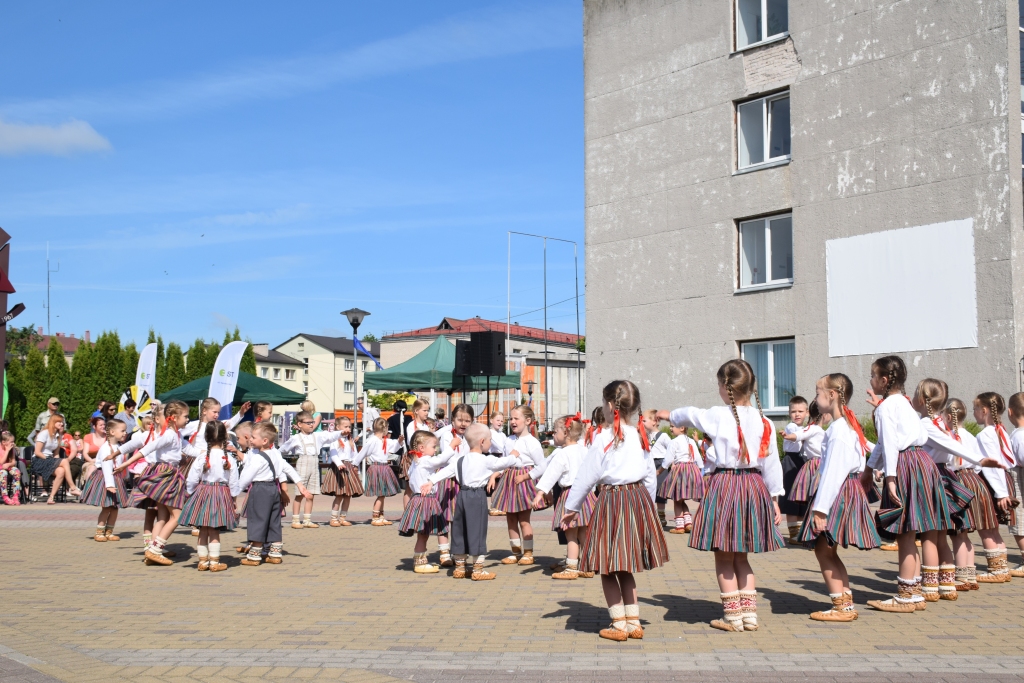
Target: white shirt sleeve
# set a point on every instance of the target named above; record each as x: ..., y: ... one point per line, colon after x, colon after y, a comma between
x: 586, y: 478
x: 771, y: 467
x: 887, y: 440
x: 195, y: 473
x: 233, y: 485
x: 556, y: 467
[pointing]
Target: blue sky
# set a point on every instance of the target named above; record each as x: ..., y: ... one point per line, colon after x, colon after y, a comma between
x: 196, y: 166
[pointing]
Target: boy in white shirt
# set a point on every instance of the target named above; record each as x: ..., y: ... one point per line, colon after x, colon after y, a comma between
x: 791, y: 464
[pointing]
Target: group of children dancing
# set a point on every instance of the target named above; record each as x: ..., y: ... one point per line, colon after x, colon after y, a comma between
x: 609, y: 479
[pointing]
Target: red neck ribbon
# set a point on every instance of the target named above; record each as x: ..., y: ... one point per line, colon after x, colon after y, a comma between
x: 1004, y: 445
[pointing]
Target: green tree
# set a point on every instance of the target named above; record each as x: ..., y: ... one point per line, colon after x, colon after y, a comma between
x: 237, y: 336
x: 248, y: 362
x: 84, y: 395
x: 195, y: 362
x: 20, y: 339
x: 58, y: 374
x: 37, y: 383
x: 212, y: 351
x: 370, y: 337
x: 107, y: 367
x: 175, y: 371
x: 581, y: 345
x: 161, y: 367
x: 129, y: 366
x: 16, y: 411
x: 386, y: 400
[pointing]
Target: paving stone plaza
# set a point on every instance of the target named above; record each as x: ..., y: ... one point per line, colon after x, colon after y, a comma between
x: 345, y: 605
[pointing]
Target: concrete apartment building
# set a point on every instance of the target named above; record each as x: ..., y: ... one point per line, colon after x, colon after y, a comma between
x: 808, y: 184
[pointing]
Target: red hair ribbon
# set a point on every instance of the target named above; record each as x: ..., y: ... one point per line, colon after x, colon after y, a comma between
x: 192, y: 439
x: 149, y: 436
x: 689, y: 443
x: 855, y: 425
x: 762, y: 451
x: 416, y: 454
x: 1004, y: 445
x: 572, y: 418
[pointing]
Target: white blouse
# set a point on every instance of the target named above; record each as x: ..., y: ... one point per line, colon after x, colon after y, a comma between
x: 842, y: 457
x: 50, y: 443
x: 168, y: 448
x: 531, y: 453
x: 791, y: 446
x: 988, y: 443
x: 424, y: 466
x: 659, y: 445
x: 720, y: 425
x: 811, y: 441
x: 107, y: 466
x: 497, y: 442
x: 682, y: 449
x: 308, y: 444
x: 626, y: 463
x: 477, y: 469
x: 375, y: 452
x: 1017, y: 446
x: 946, y: 450
x: 216, y: 474
x: 342, y: 451
x: 563, y: 465
x: 899, y: 428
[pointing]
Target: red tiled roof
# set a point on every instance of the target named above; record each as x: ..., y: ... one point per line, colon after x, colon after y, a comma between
x: 70, y: 344
x: 455, y: 326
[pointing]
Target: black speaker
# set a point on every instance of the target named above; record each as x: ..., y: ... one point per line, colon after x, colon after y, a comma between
x: 461, y: 357
x: 487, y: 354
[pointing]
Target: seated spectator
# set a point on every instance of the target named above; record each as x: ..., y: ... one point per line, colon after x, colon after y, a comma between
x: 48, y: 462
x: 128, y: 415
x: 10, y: 474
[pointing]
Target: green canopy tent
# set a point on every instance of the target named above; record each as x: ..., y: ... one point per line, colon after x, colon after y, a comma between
x: 434, y: 368
x: 250, y: 388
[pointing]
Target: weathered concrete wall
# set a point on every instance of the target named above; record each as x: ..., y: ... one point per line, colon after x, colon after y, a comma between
x: 903, y: 114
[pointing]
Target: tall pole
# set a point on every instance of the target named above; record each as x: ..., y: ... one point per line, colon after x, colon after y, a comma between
x: 547, y: 383
x: 48, y: 271
x: 355, y: 379
x: 579, y: 365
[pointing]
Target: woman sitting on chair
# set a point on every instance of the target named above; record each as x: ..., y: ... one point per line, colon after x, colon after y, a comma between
x: 47, y: 462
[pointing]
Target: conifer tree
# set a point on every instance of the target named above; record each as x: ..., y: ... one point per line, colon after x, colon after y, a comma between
x: 248, y: 363
x: 175, y: 370
x: 129, y: 366
x: 195, y: 362
x: 37, y: 383
x: 84, y: 395
x: 16, y: 411
x: 161, y: 366
x: 58, y: 374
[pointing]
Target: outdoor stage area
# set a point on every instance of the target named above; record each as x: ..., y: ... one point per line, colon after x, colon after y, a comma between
x: 345, y: 605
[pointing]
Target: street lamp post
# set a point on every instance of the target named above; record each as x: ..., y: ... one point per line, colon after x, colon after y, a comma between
x: 355, y: 319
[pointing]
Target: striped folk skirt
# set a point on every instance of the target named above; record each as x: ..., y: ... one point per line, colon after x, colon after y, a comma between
x: 806, y: 483
x: 582, y: 519
x: 684, y: 482
x: 95, y: 491
x: 381, y: 481
x: 736, y: 515
x: 160, y: 483
x: 423, y: 516
x: 404, y: 466
x: 981, y: 515
x: 958, y: 498
x: 625, y: 533
x: 342, y: 481
x: 509, y: 496
x: 849, y: 520
x: 923, y: 504
x: 210, y: 505
x: 791, y: 465
x: 447, y: 494
x: 186, y: 464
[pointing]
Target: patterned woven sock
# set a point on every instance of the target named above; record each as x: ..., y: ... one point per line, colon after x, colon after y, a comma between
x: 930, y: 583
x: 748, y: 605
x: 680, y: 522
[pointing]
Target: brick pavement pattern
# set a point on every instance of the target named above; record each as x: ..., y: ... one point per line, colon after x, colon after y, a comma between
x: 346, y: 606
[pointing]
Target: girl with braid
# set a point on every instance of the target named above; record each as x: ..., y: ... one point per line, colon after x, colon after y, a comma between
x: 740, y: 511
x: 938, y: 571
x: 839, y: 513
x: 212, y: 485
x: 625, y: 535
x: 994, y: 443
x: 913, y: 497
x: 1015, y: 476
x: 990, y: 498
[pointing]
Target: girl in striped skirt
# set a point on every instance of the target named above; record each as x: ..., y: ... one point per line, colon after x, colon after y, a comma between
x: 839, y: 513
x: 684, y: 481
x: 1015, y: 476
x: 914, y: 499
x: 811, y: 440
x: 739, y: 513
x: 514, y: 492
x: 212, y: 486
x: 420, y: 413
x: 561, y: 469
x: 342, y: 479
x: 423, y: 516
x: 991, y: 496
x: 625, y: 535
x: 994, y: 443
x: 381, y: 482
x: 162, y: 482
x: 105, y: 489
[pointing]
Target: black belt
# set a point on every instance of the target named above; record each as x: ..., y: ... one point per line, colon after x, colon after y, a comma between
x: 273, y: 483
x: 737, y: 470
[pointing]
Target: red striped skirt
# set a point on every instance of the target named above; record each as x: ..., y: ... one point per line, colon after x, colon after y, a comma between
x: 161, y: 483
x: 981, y: 515
x: 582, y: 519
x: 423, y: 516
x: 404, y: 466
x: 509, y: 496
x: 684, y: 482
x: 736, y: 515
x: 849, y: 521
x: 923, y: 504
x: 95, y: 491
x: 342, y: 481
x: 447, y: 494
x: 381, y: 481
x: 625, y: 533
x: 210, y: 505
x: 806, y: 483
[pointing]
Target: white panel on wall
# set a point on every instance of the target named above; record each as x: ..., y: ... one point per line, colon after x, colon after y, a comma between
x: 912, y: 289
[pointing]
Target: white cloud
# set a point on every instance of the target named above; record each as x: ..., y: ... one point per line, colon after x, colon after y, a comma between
x: 479, y: 35
x: 222, y: 322
x: 60, y: 140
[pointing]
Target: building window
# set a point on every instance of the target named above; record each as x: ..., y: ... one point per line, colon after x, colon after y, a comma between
x: 305, y: 387
x: 289, y: 375
x: 366, y: 363
x: 350, y: 364
x: 348, y: 406
x: 760, y: 20
x: 774, y: 364
x: 762, y: 130
x: 302, y: 346
x: 263, y: 372
x: 766, y: 251
x: 277, y: 373
x: 349, y: 387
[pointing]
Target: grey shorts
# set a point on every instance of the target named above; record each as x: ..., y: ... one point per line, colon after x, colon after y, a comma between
x: 308, y: 467
x: 1017, y: 476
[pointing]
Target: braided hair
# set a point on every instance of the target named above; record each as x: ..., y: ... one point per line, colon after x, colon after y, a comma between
x: 216, y: 435
x: 843, y: 386
x: 894, y: 371
x: 932, y: 393
x: 624, y: 397
x: 738, y: 379
x: 954, y: 409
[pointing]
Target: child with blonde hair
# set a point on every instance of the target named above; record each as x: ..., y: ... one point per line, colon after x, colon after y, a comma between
x: 212, y: 485
x: 104, y: 489
x: 514, y: 491
x: 422, y: 516
x: 381, y: 481
x: 342, y: 479
x: 684, y: 480
x: 307, y: 444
